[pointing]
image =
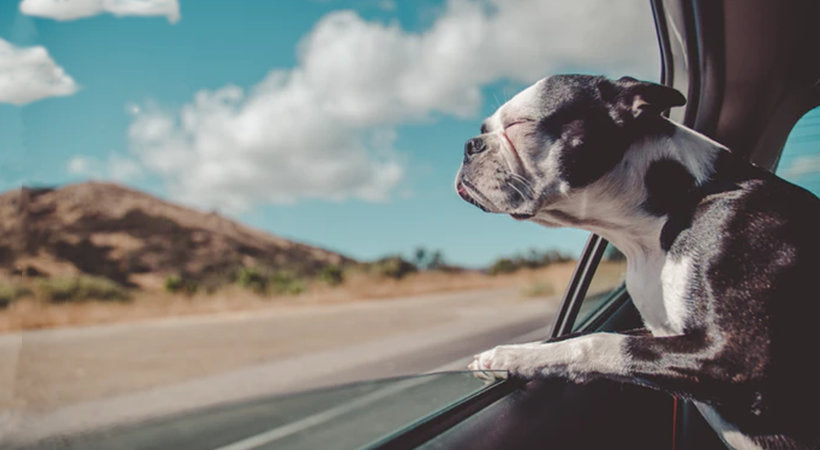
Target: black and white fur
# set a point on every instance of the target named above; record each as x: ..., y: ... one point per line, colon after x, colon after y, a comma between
x: 721, y: 255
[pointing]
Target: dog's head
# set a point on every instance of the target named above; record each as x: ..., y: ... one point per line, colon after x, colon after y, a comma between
x: 559, y: 135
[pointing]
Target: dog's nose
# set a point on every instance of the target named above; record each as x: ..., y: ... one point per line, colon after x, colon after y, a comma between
x: 474, y: 146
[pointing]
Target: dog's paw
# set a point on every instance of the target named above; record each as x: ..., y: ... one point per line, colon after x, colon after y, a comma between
x: 497, y: 362
x: 483, y: 361
x: 481, y: 368
x: 518, y: 360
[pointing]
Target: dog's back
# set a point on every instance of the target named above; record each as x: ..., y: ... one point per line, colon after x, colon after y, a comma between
x: 754, y: 237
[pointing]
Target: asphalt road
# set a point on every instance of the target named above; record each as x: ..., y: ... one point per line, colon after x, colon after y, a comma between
x: 133, y: 385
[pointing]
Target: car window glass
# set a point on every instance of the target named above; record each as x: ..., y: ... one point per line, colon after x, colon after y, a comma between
x: 800, y: 161
x: 357, y: 415
x: 608, y: 278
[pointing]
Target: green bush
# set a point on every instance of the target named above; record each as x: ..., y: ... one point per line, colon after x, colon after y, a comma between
x: 428, y: 260
x: 503, y: 265
x: 252, y: 278
x: 332, y: 275
x: 393, y: 267
x: 176, y: 283
x: 553, y: 256
x: 283, y: 282
x: 80, y: 288
x: 173, y: 283
x: 263, y: 282
x: 10, y: 293
x: 533, y: 260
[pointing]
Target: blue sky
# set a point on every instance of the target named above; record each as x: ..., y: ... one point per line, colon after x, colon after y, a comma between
x: 335, y: 123
x: 800, y: 161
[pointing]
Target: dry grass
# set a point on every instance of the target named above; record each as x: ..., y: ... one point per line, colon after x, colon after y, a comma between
x: 33, y: 313
x: 609, y: 275
x: 361, y: 286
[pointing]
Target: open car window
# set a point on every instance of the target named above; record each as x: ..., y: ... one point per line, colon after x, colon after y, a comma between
x: 607, y: 284
x: 359, y: 415
x: 800, y: 161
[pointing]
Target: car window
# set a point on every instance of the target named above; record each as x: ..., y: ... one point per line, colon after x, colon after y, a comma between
x: 800, y: 161
x: 357, y: 415
x: 606, y: 283
x: 213, y: 202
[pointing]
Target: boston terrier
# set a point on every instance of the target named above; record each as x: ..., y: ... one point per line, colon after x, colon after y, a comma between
x: 721, y: 255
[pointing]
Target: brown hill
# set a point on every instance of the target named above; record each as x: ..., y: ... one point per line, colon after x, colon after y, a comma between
x: 134, y: 238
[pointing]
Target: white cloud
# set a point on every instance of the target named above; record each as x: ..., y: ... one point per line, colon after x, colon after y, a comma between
x: 313, y: 131
x: 115, y: 168
x: 227, y: 150
x: 28, y: 74
x: 81, y: 165
x: 75, y: 9
x: 802, y: 166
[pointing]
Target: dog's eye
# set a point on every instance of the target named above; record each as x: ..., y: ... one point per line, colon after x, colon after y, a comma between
x: 517, y: 122
x: 484, y: 128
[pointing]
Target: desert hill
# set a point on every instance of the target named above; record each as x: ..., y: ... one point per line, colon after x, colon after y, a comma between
x: 135, y: 239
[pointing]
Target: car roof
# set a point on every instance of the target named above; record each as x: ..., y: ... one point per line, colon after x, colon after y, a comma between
x: 753, y: 69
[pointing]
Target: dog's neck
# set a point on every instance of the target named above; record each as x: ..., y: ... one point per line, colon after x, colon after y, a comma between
x: 615, y: 206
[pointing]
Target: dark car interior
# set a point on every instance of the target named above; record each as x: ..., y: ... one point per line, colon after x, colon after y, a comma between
x: 749, y: 71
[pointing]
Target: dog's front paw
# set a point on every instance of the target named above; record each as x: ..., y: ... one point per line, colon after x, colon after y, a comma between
x: 482, y: 367
x: 483, y: 361
x: 501, y: 359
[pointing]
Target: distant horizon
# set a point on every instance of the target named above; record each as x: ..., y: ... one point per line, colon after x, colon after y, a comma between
x: 408, y: 256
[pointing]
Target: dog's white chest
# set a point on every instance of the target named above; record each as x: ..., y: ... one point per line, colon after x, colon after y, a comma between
x: 658, y: 286
x: 675, y: 281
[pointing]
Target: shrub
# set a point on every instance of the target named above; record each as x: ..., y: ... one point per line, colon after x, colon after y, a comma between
x: 554, y: 256
x: 393, y: 267
x: 264, y: 282
x: 173, y: 283
x: 252, y: 278
x: 332, y: 275
x: 80, y: 288
x: 436, y: 261
x: 503, y: 265
x: 285, y: 283
x: 10, y: 293
x: 428, y: 260
x: 177, y: 283
x: 533, y: 260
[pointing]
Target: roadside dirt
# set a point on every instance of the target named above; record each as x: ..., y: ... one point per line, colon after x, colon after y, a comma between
x: 30, y: 313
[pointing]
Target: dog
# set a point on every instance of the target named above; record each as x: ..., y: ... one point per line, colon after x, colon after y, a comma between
x: 721, y: 255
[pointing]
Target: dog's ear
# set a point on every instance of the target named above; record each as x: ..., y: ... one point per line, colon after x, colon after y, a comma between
x: 631, y: 97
